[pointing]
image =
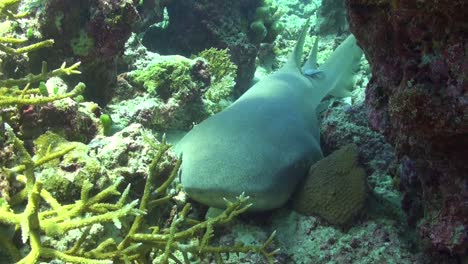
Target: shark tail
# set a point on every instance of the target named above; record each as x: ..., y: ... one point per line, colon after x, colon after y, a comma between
x: 338, y: 70
x: 336, y: 75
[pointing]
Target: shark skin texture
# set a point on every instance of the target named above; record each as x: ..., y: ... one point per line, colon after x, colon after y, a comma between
x: 264, y: 143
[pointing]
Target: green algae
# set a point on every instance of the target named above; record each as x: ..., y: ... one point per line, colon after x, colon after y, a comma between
x: 223, y: 74
x: 166, y: 78
x: 82, y: 44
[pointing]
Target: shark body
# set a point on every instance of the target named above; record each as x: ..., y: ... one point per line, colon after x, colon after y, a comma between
x: 264, y: 143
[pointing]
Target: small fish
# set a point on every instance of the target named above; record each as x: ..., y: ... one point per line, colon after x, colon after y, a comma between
x: 312, y: 72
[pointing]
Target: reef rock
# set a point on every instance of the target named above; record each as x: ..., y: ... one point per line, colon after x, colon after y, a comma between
x: 198, y: 25
x: 418, y: 98
x: 93, y: 32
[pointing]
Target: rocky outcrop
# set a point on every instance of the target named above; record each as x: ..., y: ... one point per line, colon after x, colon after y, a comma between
x: 418, y: 98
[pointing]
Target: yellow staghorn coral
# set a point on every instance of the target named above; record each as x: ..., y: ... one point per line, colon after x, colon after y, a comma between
x: 183, y: 236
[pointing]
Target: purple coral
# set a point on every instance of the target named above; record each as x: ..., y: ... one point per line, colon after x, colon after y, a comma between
x: 418, y: 98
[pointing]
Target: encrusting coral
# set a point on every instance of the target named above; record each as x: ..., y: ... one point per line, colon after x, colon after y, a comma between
x: 174, y: 95
x: 223, y: 75
x: 266, y: 25
x: 219, y: 63
x: 178, y: 91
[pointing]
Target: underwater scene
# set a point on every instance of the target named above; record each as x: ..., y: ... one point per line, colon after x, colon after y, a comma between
x: 234, y: 131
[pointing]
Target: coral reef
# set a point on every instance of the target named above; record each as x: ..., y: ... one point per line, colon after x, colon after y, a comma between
x: 196, y: 26
x: 418, y: 99
x: 331, y: 17
x: 72, y: 119
x: 91, y: 209
x: 266, y: 25
x: 59, y: 203
x: 94, y: 32
x: 65, y: 163
x: 173, y: 92
x: 17, y: 97
x: 22, y: 99
x: 223, y: 75
x: 173, y: 95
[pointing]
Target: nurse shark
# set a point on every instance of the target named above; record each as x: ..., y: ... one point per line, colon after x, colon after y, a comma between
x: 264, y: 143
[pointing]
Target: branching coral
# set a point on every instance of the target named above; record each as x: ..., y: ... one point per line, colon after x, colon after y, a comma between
x: 33, y: 213
x: 24, y: 96
x: 17, y: 92
x: 6, y: 6
x: 166, y: 243
x: 58, y: 219
x: 11, y: 94
x: 44, y: 75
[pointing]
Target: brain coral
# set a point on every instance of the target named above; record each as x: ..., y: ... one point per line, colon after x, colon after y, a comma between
x: 335, y: 188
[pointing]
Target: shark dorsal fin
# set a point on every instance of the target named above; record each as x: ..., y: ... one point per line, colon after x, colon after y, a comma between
x: 295, y: 58
x: 310, y: 66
